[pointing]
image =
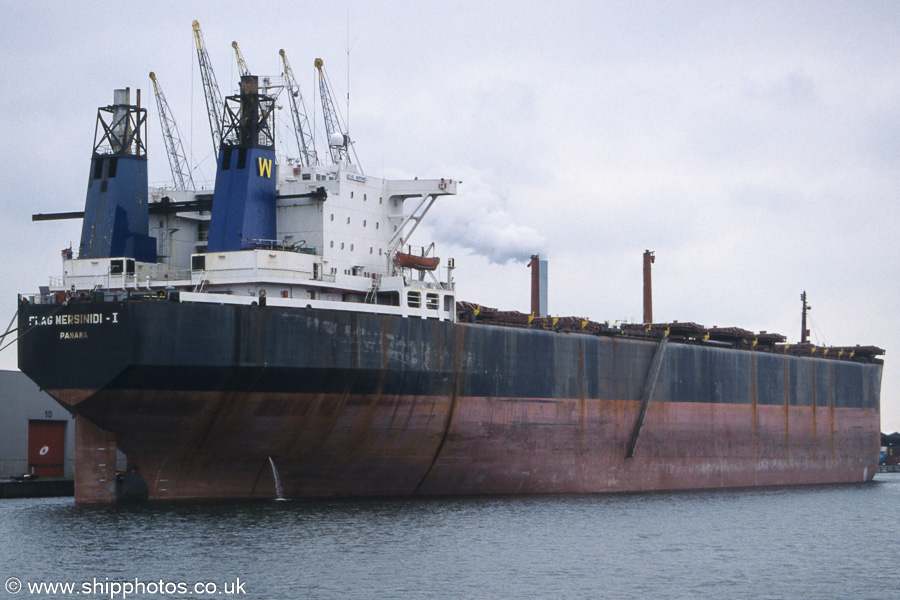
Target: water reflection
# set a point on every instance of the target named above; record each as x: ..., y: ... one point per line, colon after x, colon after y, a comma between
x: 828, y: 541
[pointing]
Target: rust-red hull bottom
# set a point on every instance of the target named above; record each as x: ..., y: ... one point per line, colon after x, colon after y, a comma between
x: 216, y: 445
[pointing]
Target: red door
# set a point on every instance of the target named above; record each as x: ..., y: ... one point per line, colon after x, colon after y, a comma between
x: 46, y: 448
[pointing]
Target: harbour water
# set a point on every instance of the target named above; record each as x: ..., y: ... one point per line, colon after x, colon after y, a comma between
x: 835, y: 541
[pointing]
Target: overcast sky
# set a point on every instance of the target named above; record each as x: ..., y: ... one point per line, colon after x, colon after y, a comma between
x: 755, y: 147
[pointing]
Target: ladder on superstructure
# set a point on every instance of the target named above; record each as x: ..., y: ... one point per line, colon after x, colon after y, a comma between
x: 372, y: 294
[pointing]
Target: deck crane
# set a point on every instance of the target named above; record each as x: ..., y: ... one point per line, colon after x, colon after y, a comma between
x: 215, y: 107
x: 181, y: 171
x: 242, y: 65
x: 338, y: 140
x: 305, y: 141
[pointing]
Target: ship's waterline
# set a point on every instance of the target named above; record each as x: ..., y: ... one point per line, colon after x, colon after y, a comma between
x: 390, y: 406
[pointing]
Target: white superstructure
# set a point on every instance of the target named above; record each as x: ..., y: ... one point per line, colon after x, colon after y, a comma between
x: 339, y: 233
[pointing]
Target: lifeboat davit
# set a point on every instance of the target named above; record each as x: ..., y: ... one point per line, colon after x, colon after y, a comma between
x: 411, y: 261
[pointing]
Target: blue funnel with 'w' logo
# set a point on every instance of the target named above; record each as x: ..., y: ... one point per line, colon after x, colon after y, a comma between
x: 243, y: 212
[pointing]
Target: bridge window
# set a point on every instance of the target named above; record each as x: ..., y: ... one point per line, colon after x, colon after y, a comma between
x: 431, y: 301
x: 414, y: 299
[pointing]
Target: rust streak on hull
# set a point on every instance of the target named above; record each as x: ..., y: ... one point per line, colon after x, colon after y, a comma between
x: 494, y: 446
x: 349, y: 404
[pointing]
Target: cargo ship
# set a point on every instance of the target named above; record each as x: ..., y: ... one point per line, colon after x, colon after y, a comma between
x: 280, y: 336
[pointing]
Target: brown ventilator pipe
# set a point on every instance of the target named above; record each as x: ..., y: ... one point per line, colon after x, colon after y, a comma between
x: 648, y: 287
x: 535, y: 284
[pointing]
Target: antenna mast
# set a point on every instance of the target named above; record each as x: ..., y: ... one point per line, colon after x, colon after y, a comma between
x: 348, y: 67
x: 804, y: 332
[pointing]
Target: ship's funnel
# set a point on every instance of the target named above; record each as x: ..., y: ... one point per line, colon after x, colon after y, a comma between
x: 243, y: 213
x: 116, y: 222
x: 538, y: 286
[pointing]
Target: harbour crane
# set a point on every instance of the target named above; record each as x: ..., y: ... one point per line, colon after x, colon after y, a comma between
x: 338, y: 140
x: 305, y: 141
x: 181, y: 171
x: 214, y: 105
x: 242, y: 65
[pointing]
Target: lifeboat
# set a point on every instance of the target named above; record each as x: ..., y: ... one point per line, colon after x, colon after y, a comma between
x: 411, y: 261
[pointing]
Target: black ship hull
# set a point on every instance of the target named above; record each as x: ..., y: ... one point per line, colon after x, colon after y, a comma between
x: 201, y: 396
